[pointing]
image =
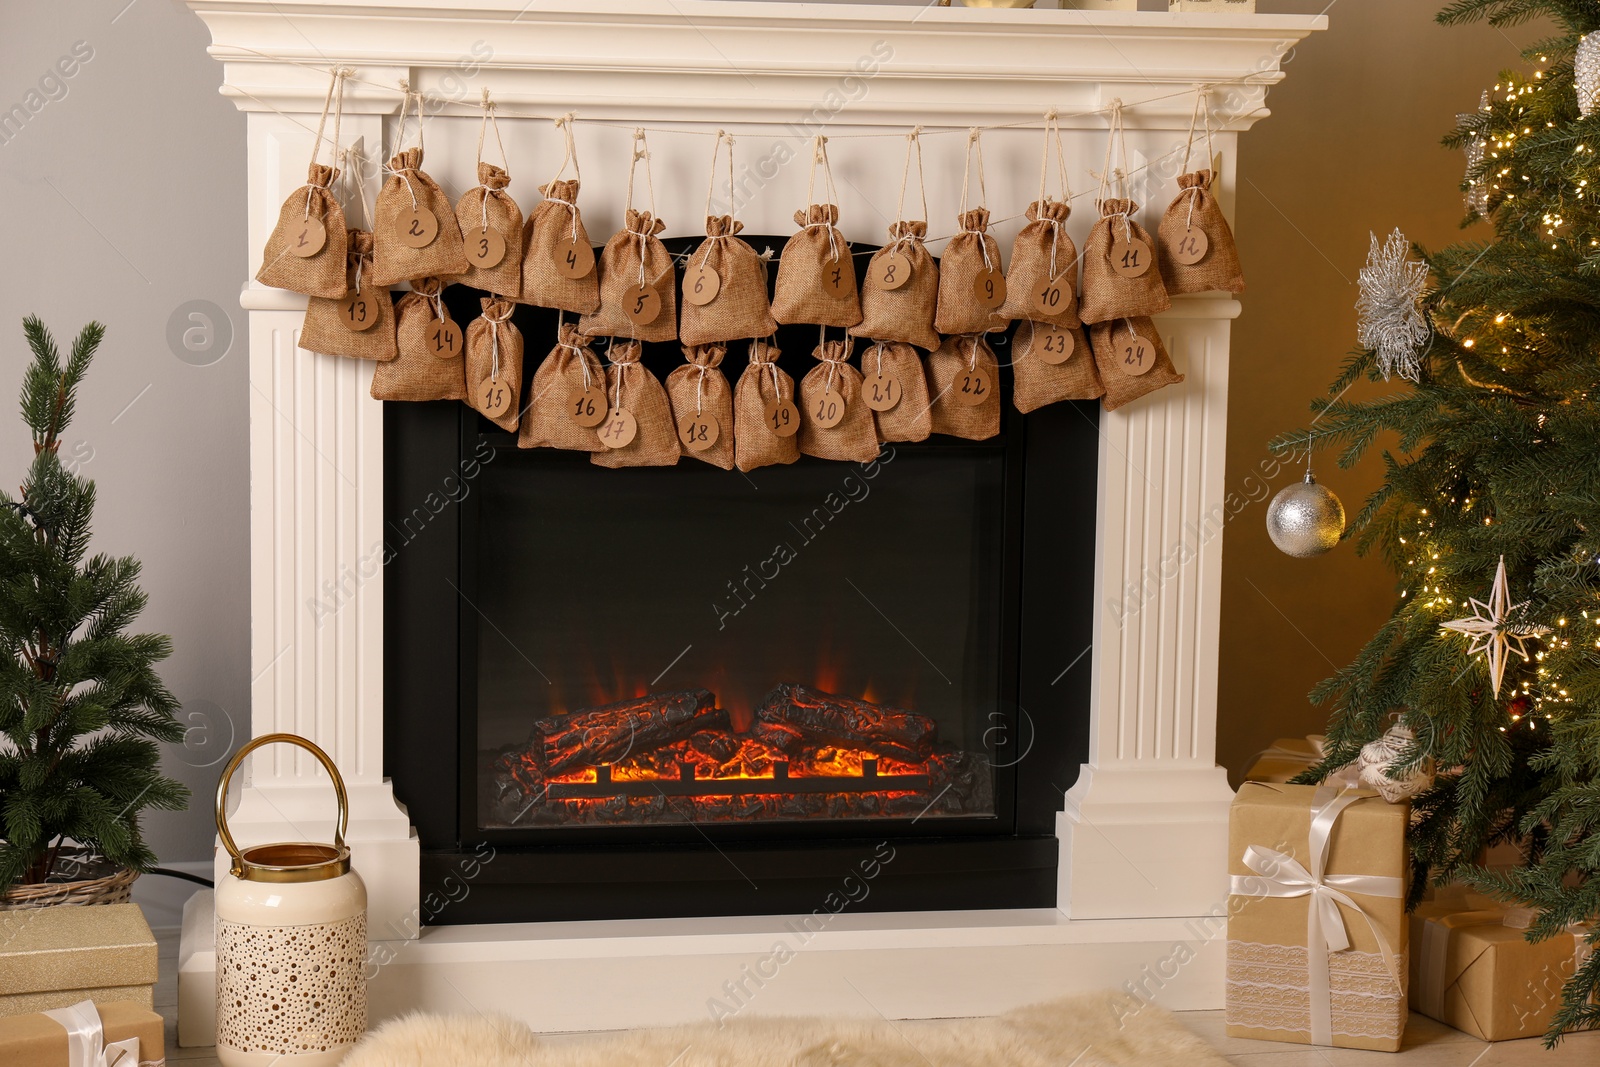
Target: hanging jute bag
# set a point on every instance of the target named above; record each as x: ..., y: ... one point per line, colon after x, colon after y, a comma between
x: 816, y: 272
x: 1198, y: 253
x: 1042, y: 284
x: 1052, y: 363
x: 702, y: 406
x: 494, y: 364
x: 835, y: 422
x: 638, y: 432
x: 895, y: 386
x: 414, y: 226
x: 766, y: 419
x: 559, y: 269
x: 429, y: 364
x: 306, y: 250
x: 964, y: 378
x: 1121, y: 277
x: 638, y: 297
x: 972, y: 282
x: 725, y: 281
x: 900, y: 294
x: 360, y: 324
x: 567, y: 399
x: 490, y: 222
x: 1132, y: 360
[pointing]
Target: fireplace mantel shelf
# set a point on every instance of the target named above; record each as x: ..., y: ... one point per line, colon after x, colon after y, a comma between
x: 1143, y: 832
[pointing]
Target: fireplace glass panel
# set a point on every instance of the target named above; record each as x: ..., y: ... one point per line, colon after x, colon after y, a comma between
x: 820, y: 641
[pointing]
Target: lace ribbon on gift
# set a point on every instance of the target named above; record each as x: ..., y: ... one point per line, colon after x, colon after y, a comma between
x: 1267, y: 990
x: 1280, y: 875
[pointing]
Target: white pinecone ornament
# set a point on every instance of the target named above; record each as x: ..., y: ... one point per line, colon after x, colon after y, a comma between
x: 1378, y: 756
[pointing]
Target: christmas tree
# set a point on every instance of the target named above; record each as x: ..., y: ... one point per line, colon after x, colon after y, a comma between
x: 1496, y: 457
x: 81, y: 706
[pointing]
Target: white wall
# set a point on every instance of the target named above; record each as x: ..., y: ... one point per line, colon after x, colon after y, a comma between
x: 121, y: 200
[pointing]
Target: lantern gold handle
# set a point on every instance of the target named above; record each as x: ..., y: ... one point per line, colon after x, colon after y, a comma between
x: 237, y: 866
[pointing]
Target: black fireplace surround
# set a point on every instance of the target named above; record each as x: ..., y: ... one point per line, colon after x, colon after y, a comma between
x: 948, y: 585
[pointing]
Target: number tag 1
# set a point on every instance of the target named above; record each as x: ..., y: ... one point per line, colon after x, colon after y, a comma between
x: 308, y: 237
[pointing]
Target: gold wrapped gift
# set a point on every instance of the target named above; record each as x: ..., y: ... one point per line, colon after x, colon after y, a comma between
x: 1317, y: 930
x: 1472, y: 968
x: 54, y: 957
x: 1287, y: 757
x: 103, y: 1033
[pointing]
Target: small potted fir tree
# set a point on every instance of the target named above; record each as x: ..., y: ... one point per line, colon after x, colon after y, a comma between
x: 81, y: 706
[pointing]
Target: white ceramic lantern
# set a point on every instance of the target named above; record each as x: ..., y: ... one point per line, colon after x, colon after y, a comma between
x: 291, y: 942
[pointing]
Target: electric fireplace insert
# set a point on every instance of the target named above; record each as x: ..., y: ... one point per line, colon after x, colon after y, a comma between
x: 689, y: 691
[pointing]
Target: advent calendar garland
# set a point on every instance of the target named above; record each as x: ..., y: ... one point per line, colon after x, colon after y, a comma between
x: 903, y: 301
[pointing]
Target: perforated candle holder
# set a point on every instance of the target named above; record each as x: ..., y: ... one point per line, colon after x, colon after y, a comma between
x: 291, y: 941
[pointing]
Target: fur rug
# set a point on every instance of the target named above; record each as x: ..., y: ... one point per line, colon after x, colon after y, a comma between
x: 1088, y: 1031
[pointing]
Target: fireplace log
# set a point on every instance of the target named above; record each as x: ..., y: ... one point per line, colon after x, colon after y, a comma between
x: 590, y: 737
x: 823, y: 717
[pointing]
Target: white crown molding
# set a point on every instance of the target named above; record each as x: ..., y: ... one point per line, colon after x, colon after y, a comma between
x: 636, y: 60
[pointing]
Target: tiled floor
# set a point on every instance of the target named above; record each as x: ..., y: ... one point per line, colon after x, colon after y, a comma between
x: 1428, y: 1044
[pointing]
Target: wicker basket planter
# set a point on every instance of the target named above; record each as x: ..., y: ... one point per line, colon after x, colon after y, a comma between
x: 106, y: 884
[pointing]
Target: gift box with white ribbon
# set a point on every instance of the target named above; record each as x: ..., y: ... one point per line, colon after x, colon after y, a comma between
x: 116, y: 1034
x: 1317, y: 932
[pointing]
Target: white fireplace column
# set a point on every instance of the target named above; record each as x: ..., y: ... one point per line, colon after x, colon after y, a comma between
x: 1142, y: 830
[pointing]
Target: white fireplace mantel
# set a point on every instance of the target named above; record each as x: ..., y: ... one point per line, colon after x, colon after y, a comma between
x: 1142, y: 832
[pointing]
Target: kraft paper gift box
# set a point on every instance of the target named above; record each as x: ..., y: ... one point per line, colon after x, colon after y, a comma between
x: 117, y: 1033
x: 1472, y: 968
x: 1317, y: 930
x: 1287, y: 757
x: 57, y: 956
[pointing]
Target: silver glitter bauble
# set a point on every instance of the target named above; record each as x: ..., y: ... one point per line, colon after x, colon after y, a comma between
x: 1586, y: 73
x: 1305, y: 519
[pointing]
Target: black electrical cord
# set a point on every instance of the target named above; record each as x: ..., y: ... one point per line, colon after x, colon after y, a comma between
x: 185, y: 875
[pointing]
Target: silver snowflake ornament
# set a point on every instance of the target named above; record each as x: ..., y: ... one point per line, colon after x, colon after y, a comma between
x: 1389, y: 320
x: 1497, y: 628
x: 1586, y: 73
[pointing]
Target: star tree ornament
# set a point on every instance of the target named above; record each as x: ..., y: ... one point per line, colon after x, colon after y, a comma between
x: 1498, y: 628
x: 1586, y: 73
x: 1305, y: 519
x: 1390, y: 321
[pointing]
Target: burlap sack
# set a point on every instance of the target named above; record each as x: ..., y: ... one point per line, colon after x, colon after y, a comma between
x: 494, y: 350
x: 1106, y: 294
x: 396, y: 261
x: 1122, y: 387
x: 554, y: 220
x: 1043, y: 252
x: 1035, y: 383
x: 630, y: 385
x: 905, y: 314
x: 700, y: 388
x: 325, y: 329
x: 809, y: 259
x: 949, y: 373
x: 634, y: 245
x: 763, y: 382
x: 416, y: 373
x: 740, y: 309
x: 489, y: 200
x: 322, y: 274
x: 911, y: 419
x: 968, y: 254
x: 853, y: 438
x: 569, y: 369
x: 1196, y: 209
